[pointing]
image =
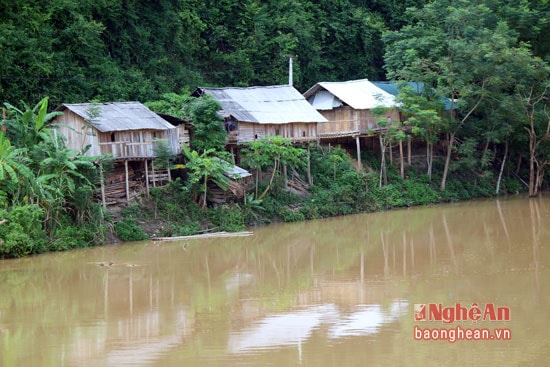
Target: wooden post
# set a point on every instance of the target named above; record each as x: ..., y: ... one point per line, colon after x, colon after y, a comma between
x: 153, y: 172
x: 127, y: 183
x: 147, y: 177
x: 409, y: 152
x: 358, y: 144
x: 309, y: 178
x: 102, y: 182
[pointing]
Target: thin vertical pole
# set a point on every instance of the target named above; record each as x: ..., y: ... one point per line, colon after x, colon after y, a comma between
x: 102, y: 179
x: 147, y: 177
x: 127, y: 183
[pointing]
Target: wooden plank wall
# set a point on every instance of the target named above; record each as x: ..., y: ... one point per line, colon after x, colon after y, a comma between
x: 78, y: 135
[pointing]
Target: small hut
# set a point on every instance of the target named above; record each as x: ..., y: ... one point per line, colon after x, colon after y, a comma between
x: 127, y: 132
x: 348, y: 108
x: 253, y: 112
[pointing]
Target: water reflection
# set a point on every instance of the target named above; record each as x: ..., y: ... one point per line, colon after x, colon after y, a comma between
x: 367, y: 319
x: 340, y: 290
x: 281, y: 330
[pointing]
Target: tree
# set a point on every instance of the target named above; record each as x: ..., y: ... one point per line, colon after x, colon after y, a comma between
x: 273, y: 152
x: 209, y: 132
x: 533, y: 93
x: 391, y: 132
x: 422, y: 111
x: 13, y: 166
x: 203, y: 167
x: 461, y: 50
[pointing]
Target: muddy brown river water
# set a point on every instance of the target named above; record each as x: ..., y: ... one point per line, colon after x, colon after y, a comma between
x: 362, y: 290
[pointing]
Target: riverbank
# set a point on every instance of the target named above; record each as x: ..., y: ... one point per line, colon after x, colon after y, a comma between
x: 337, y: 188
x: 171, y: 212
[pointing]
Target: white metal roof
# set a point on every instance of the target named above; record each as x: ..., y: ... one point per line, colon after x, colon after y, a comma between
x: 119, y: 116
x: 358, y: 94
x: 279, y: 104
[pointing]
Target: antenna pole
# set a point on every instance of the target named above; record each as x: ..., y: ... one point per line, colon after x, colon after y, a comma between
x: 290, y: 57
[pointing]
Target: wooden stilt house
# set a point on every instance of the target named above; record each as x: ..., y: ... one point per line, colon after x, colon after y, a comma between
x: 127, y: 132
x: 253, y: 112
x: 348, y: 107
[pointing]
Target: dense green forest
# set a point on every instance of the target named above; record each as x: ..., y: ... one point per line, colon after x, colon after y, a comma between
x: 489, y: 58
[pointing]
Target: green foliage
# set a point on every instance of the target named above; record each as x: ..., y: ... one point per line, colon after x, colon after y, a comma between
x: 290, y: 215
x: 23, y: 233
x: 273, y: 152
x: 163, y: 154
x: 204, y: 167
x: 129, y: 230
x: 209, y: 133
x: 171, y: 104
x: 227, y: 217
x: 419, y: 192
x: 115, y: 50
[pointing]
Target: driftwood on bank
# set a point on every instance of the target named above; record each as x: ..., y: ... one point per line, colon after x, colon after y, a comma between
x: 204, y: 236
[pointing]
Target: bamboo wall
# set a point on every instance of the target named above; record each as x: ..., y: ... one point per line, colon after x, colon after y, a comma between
x: 345, y: 121
x: 120, y: 144
x: 248, y: 132
x: 78, y: 134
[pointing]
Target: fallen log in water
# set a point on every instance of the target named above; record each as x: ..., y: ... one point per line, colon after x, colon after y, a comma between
x: 204, y: 236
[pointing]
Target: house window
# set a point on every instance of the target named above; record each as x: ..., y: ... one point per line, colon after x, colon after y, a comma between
x: 303, y: 134
x: 277, y: 131
x: 113, y: 137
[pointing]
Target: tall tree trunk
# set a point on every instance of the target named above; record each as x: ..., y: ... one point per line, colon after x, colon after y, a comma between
x: 429, y: 159
x: 532, y: 163
x: 484, y: 154
x: 450, y: 144
x: 502, y: 166
x: 383, y: 175
x: 518, y: 165
x: 401, y: 159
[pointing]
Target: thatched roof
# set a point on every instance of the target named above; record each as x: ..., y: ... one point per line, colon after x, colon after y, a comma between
x: 118, y: 116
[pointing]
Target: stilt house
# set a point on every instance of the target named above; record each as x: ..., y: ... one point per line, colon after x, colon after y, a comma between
x: 348, y: 107
x: 126, y: 131
x: 253, y: 112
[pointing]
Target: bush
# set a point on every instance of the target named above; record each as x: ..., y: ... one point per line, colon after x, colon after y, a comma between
x: 393, y: 196
x: 420, y: 192
x: 23, y: 233
x: 228, y: 217
x: 128, y: 230
x: 288, y: 215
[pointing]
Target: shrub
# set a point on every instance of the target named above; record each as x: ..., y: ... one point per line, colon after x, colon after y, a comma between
x: 289, y: 215
x: 23, y: 233
x: 228, y: 217
x: 420, y: 193
x: 128, y: 230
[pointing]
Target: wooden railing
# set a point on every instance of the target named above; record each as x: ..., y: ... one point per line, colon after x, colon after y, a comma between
x: 347, y: 127
x: 124, y: 149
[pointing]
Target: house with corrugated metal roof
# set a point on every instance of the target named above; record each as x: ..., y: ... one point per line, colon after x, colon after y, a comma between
x: 254, y: 112
x: 348, y: 107
x: 393, y: 89
x: 127, y: 132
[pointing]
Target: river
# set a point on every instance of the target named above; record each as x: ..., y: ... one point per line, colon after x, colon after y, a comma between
x: 358, y: 290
